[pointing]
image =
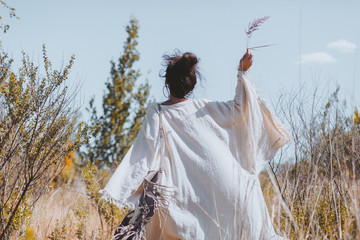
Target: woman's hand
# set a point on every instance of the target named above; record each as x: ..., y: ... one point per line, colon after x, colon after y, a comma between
x: 245, y: 61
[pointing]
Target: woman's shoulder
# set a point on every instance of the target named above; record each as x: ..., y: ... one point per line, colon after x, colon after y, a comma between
x: 191, y: 102
x: 153, y: 107
x: 152, y: 112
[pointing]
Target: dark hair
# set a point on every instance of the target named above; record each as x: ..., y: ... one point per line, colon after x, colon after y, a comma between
x: 181, y: 73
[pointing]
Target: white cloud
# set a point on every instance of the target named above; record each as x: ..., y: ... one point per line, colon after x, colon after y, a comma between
x: 343, y: 46
x: 316, y: 57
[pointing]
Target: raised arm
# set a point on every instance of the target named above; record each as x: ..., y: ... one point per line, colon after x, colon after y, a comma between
x: 257, y: 133
x: 240, y: 98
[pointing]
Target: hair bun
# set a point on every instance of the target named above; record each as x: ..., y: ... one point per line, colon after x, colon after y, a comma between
x: 190, y: 59
x: 181, y: 72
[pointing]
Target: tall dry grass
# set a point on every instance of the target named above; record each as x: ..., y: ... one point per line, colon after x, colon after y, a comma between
x: 311, y: 188
x: 64, y: 213
x: 319, y: 181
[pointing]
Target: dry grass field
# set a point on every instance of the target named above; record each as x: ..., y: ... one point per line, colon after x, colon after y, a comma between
x: 312, y: 187
x: 66, y: 212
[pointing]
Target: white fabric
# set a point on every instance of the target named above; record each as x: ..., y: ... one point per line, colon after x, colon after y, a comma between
x: 211, y: 159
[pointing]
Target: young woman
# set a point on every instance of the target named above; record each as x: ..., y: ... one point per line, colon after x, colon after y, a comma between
x: 192, y: 172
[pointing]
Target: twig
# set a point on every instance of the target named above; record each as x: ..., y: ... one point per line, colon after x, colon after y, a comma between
x: 262, y: 46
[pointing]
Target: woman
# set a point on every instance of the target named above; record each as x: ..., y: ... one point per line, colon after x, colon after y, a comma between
x: 205, y: 156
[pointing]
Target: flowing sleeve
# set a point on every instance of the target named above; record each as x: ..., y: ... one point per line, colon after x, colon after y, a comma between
x: 139, y: 163
x: 256, y: 133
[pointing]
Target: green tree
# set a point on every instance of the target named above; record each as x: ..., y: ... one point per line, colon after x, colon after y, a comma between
x: 38, y: 128
x: 124, y: 106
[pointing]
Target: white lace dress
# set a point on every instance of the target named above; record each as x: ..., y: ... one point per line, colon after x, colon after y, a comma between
x: 210, y: 160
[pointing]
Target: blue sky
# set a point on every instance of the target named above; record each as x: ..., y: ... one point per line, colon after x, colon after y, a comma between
x: 315, y: 41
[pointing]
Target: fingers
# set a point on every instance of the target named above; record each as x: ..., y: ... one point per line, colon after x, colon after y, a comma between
x: 247, y: 58
x: 247, y: 55
x: 246, y: 61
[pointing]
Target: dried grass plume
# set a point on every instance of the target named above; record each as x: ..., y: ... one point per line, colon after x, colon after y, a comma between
x: 254, y: 25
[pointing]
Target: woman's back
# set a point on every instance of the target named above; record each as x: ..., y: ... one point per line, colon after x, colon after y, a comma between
x: 209, y: 154
x: 213, y: 195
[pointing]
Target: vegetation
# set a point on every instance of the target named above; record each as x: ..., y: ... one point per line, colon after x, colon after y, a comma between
x: 323, y: 198
x: 108, y: 212
x: 124, y: 107
x: 311, y: 189
x: 320, y: 182
x: 38, y: 128
x: 4, y: 26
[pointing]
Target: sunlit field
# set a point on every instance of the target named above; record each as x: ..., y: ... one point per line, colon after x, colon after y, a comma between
x: 66, y: 122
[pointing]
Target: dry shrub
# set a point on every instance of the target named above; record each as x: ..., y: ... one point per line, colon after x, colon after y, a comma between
x: 109, y: 213
x: 74, y: 209
x: 37, y: 122
x: 319, y: 181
